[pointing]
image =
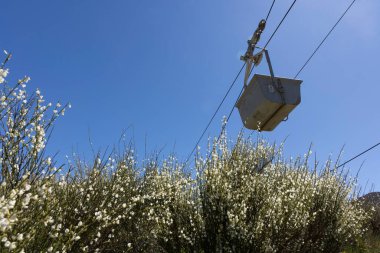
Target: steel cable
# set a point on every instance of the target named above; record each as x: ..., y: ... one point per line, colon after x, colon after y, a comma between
x: 224, y: 98
x: 324, y: 39
x: 278, y: 26
x: 362, y: 153
x: 213, y: 116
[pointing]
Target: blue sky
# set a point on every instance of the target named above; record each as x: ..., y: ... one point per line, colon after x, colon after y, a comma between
x: 160, y: 68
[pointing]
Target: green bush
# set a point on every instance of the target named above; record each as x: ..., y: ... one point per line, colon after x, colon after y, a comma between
x: 371, y: 203
x: 245, y: 198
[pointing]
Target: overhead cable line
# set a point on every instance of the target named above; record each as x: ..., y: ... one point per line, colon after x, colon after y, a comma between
x: 270, y: 10
x: 274, y: 32
x: 324, y: 39
x: 278, y: 26
x: 266, y: 44
x: 213, y: 116
x: 362, y: 153
x: 224, y: 98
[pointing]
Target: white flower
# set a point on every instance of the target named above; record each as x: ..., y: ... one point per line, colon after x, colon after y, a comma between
x: 4, y: 72
x: 20, y: 237
x: 4, y: 223
x: 11, y: 204
x: 26, y: 200
x: 7, y: 244
x: 27, y: 187
x: 13, y: 245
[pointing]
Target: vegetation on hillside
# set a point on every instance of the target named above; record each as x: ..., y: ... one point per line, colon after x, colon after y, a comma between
x: 245, y: 198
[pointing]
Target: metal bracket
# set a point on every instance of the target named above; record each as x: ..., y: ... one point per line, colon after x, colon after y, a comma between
x: 278, y: 87
x: 248, y: 57
x: 269, y: 63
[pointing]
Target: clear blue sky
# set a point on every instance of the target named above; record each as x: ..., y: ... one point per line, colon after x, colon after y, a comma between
x: 163, y: 66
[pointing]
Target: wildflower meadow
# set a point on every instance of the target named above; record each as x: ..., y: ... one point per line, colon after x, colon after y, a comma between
x: 242, y: 196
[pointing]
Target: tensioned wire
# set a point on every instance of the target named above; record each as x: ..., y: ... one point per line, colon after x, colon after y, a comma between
x: 324, y: 39
x: 229, y: 89
x: 266, y: 44
x: 270, y: 10
x: 302, y: 68
x: 312, y: 55
x: 216, y: 111
x: 358, y: 155
x: 233, y: 83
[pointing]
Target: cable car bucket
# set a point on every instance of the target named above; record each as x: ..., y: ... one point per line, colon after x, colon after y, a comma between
x: 268, y: 100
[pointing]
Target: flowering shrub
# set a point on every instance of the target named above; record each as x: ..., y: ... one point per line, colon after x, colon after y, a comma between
x: 245, y: 198
x: 255, y: 201
x: 371, y: 202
